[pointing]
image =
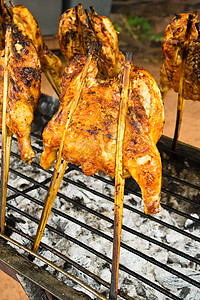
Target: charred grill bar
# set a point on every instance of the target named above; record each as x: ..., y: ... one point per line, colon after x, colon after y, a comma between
x: 180, y: 200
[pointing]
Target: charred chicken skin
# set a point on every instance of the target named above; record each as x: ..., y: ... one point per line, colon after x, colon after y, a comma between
x: 24, y: 86
x: 29, y: 26
x: 174, y: 51
x: 28, y: 56
x: 90, y: 140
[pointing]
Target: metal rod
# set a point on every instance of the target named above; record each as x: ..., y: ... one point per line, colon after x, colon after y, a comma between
x: 119, y: 180
x: 134, y: 210
x: 57, y: 177
x: 193, y: 237
x: 6, y: 136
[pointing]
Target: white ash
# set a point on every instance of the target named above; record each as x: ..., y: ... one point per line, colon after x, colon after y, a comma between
x: 134, y: 288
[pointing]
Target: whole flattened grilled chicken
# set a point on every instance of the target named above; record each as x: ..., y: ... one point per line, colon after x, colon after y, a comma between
x: 90, y: 140
x: 29, y: 55
x: 173, y: 48
x: 24, y: 71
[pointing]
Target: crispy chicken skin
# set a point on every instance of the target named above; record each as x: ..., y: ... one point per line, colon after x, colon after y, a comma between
x: 23, y: 91
x: 2, y: 31
x: 29, y: 26
x: 172, y: 48
x: 90, y: 140
x: 75, y: 37
x: 28, y: 53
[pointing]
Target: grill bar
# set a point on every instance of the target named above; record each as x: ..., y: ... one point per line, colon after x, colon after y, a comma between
x: 121, y: 267
x: 169, y: 193
x: 67, y: 259
x: 75, y: 221
x: 79, y: 185
x: 150, y: 259
x: 108, y: 198
x: 181, y: 181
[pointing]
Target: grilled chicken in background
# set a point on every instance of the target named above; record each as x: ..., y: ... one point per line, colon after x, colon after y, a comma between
x: 90, y: 140
x: 74, y: 34
x: 173, y: 48
x: 75, y: 37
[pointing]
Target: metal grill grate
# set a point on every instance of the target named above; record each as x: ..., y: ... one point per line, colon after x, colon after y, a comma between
x: 166, y: 244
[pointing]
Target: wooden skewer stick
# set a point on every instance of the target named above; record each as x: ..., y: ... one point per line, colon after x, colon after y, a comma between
x: 6, y: 137
x: 119, y: 179
x: 181, y: 100
x: 59, y: 170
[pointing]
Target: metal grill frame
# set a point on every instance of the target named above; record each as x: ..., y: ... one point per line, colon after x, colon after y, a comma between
x: 186, y: 157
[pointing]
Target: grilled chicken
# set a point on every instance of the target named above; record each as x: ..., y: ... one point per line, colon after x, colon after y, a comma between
x: 75, y: 37
x: 29, y: 26
x: 74, y: 34
x: 28, y: 54
x: 26, y: 23
x: 90, y: 140
x: 2, y: 30
x: 23, y: 90
x: 181, y: 41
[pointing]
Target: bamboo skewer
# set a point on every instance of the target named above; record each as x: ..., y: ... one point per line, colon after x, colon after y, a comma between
x: 59, y: 170
x: 6, y: 137
x: 119, y: 179
x: 181, y: 100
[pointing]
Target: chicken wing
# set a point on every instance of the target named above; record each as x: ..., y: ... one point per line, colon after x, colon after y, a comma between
x: 90, y: 140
